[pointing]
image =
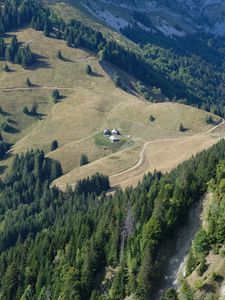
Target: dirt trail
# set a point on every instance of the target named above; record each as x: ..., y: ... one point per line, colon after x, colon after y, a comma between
x: 166, y: 146
x: 142, y: 165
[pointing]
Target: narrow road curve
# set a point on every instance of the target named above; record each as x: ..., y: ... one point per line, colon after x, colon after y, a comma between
x: 141, y: 160
x: 142, y: 153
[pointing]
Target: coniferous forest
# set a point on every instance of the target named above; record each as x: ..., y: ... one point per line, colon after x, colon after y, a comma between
x: 63, y: 244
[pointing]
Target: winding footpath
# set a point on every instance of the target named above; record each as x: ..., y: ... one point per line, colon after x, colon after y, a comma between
x: 142, y: 153
x: 142, y: 158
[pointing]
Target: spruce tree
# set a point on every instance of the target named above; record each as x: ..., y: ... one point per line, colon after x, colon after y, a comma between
x: 33, y: 111
x: 181, y: 128
x: 151, y: 119
x: 55, y: 95
x: 25, y: 110
x: 2, y: 47
x: 88, y: 70
x: 54, y: 145
x: 46, y: 30
x: 84, y: 160
x: 28, y: 82
x: 6, y: 68
x: 59, y: 55
x: 58, y: 34
x: 2, y: 149
x: 209, y: 119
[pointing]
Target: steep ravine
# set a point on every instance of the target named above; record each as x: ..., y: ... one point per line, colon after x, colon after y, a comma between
x: 178, y: 247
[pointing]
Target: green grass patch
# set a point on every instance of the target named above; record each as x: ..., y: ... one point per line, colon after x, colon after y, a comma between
x: 101, y: 140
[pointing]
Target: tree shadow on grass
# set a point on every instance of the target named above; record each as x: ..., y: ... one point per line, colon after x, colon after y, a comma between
x: 95, y: 74
x: 6, y: 114
x: 11, y: 121
x: 39, y: 63
x: 3, y: 169
x: 40, y: 116
x: 11, y: 130
x: 64, y: 59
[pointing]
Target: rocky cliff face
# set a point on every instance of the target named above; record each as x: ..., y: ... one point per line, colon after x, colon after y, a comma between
x: 172, y: 17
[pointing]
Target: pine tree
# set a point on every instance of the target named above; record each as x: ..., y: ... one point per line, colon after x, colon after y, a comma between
x: 170, y: 294
x: 69, y: 40
x: 6, y: 68
x: 33, y: 111
x: 2, y: 47
x: 88, y: 70
x: 209, y: 119
x: 2, y: 149
x: 58, y: 34
x: 54, y: 145
x: 25, y: 110
x: 146, y: 276
x: 151, y: 119
x: 46, y: 30
x: 28, y: 82
x: 84, y: 160
x: 56, y: 170
x: 181, y: 127
x: 55, y: 95
x: 59, y: 55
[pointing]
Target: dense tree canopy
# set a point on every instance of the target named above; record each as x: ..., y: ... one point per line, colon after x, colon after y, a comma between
x: 59, y: 243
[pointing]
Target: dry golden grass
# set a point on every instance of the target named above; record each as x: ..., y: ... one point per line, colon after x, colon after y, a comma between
x: 109, y: 165
x: 163, y: 155
x: 89, y: 104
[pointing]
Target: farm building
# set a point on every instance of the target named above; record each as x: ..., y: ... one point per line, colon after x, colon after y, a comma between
x: 114, y: 139
x: 107, y: 132
x: 115, y: 131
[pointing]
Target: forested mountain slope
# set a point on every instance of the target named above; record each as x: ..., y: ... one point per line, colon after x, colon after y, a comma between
x: 76, y: 245
x: 177, y: 18
x: 186, y: 67
x: 85, y: 243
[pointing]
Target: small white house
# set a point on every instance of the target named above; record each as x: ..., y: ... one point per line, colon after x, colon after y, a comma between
x: 114, y: 139
x: 115, y: 131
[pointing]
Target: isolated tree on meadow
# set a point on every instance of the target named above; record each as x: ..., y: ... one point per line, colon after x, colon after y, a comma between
x: 26, y: 110
x: 151, y: 119
x: 54, y: 145
x: 88, y: 70
x: 84, y: 160
x: 181, y: 127
x: 1, y: 110
x: 6, y: 68
x: 59, y: 55
x: 33, y: 111
x: 55, y: 95
x: 209, y: 119
x: 28, y: 82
